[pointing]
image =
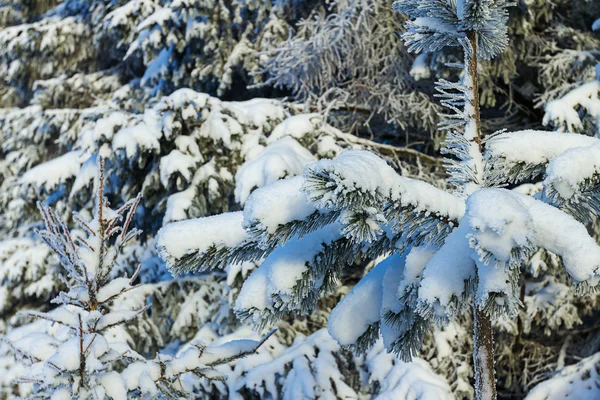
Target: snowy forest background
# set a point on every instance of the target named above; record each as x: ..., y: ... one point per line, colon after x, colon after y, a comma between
x: 195, y: 104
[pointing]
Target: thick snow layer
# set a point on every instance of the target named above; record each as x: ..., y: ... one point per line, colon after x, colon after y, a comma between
x: 427, y: 198
x: 363, y: 172
x: 578, y: 381
x: 178, y: 239
x: 86, y: 174
x: 54, y: 172
x: 445, y: 274
x: 215, y: 354
x: 220, y: 127
x: 116, y: 318
x: 495, y: 280
x: 179, y: 203
x: 113, y: 289
x: 282, y: 270
x: 389, y: 296
x: 181, y: 97
x: 277, y: 204
x: 66, y: 356
x: 416, y: 261
x: 258, y: 112
x: 138, y: 373
x: 534, y: 147
x: 114, y: 385
x: 568, y: 171
x: 503, y: 219
x: 36, y: 344
x: 104, y: 129
x: 359, y: 309
x: 280, y: 159
x: 352, y: 171
x: 500, y: 222
x: 414, y: 380
x: 121, y: 16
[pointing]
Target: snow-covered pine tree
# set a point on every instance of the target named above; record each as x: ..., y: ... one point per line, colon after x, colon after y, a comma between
x: 322, y: 65
x: 83, y: 353
x: 207, y: 45
x: 446, y: 251
x: 543, y: 35
x: 190, y: 165
x: 184, y: 154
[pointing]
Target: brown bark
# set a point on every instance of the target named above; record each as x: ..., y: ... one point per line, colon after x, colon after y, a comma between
x: 483, y: 351
x: 483, y: 356
x: 472, y: 67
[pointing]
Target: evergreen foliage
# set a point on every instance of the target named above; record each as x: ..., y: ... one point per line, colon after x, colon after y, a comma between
x: 455, y: 251
x: 83, y: 353
x: 135, y: 82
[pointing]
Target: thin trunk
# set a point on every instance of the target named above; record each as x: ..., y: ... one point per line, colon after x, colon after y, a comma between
x: 82, y: 355
x: 483, y: 352
x: 483, y: 356
x: 473, y: 72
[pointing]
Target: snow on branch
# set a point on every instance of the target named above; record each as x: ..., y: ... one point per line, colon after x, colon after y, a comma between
x: 514, y: 157
x: 448, y: 277
x: 578, y: 381
x: 507, y: 227
x: 565, y: 113
x: 401, y: 379
x: 280, y: 159
x: 421, y: 213
x: 312, y: 367
x: 402, y: 327
x: 200, y: 243
x: 355, y: 180
x: 354, y: 322
x: 51, y: 174
x: 293, y: 276
x: 571, y: 182
x: 356, y: 183
x: 359, y: 184
x: 270, y: 225
x: 385, y: 301
x: 79, y: 357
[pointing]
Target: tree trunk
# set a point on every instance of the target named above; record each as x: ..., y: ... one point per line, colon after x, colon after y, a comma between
x: 483, y: 356
x: 483, y: 351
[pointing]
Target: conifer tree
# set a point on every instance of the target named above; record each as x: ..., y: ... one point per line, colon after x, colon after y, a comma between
x: 91, y: 75
x: 86, y: 356
x: 447, y: 251
x: 190, y: 166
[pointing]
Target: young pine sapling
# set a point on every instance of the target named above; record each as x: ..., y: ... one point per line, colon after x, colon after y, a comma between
x: 81, y: 351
